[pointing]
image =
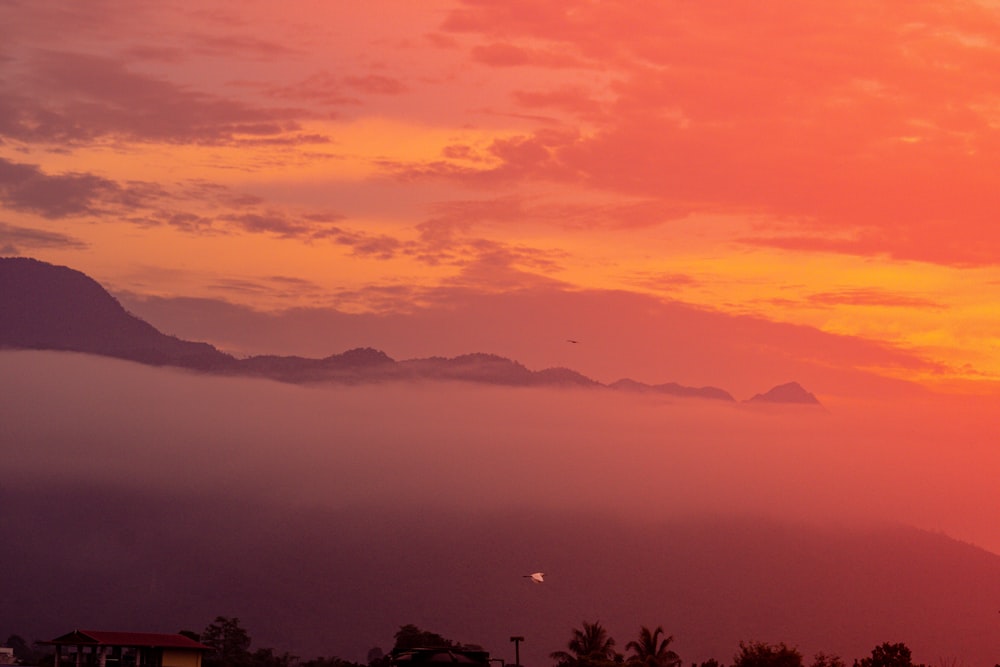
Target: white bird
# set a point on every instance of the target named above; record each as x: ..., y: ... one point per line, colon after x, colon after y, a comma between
x: 536, y: 577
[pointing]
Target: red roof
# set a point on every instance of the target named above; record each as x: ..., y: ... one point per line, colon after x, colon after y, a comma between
x: 145, y: 639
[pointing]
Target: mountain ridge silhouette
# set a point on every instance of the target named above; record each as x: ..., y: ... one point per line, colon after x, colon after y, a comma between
x: 719, y: 579
x: 51, y: 307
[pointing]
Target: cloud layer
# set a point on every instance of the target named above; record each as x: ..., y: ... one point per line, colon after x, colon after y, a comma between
x: 392, y: 504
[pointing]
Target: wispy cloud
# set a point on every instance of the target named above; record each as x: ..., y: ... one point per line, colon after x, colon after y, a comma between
x: 872, y: 297
x: 501, y: 54
x: 333, y: 90
x: 25, y: 187
x: 196, y: 207
x: 375, y: 84
x: 569, y: 98
x: 379, y: 246
x: 273, y: 287
x: 72, y: 97
x: 241, y: 45
x: 15, y: 240
x: 881, y: 120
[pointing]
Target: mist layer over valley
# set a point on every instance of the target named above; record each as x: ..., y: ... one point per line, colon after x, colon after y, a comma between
x: 326, y: 517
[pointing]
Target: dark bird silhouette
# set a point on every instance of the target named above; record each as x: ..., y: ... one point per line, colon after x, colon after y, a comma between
x: 570, y: 340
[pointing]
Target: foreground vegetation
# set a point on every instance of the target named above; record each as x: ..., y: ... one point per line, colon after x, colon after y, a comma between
x: 590, y: 645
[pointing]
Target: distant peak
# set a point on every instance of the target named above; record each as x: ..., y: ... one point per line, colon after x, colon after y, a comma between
x: 672, y: 388
x: 362, y: 356
x: 45, y: 306
x: 790, y: 392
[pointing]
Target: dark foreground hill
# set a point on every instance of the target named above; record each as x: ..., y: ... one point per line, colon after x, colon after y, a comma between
x: 48, y: 307
x: 341, y: 581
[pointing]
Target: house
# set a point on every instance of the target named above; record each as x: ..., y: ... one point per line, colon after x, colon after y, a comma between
x: 97, y: 648
x: 6, y: 656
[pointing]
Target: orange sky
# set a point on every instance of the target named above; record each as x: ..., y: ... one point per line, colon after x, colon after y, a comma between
x: 832, y: 164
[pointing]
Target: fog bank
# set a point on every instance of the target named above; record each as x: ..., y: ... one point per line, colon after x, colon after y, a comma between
x: 440, y: 445
x: 326, y: 517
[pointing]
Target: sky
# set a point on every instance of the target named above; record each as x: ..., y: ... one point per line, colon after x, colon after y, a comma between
x: 731, y: 194
x: 823, y: 172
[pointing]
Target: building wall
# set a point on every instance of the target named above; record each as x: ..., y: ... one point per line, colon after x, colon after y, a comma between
x: 181, y: 658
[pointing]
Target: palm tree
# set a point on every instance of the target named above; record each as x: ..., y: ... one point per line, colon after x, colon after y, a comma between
x: 591, y: 644
x: 651, y: 651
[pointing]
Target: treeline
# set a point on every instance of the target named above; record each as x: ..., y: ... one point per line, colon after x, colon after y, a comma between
x: 590, y: 645
x: 231, y: 647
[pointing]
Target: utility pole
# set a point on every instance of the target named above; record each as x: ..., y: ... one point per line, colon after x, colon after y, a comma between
x: 517, y: 649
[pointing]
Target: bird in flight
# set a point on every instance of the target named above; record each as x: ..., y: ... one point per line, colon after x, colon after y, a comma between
x: 536, y: 577
x: 570, y: 340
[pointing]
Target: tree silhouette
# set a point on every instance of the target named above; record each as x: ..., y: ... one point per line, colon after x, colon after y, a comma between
x: 888, y: 655
x: 20, y: 646
x: 590, y: 646
x: 651, y: 651
x: 326, y: 662
x: 27, y: 653
x: 229, y: 642
x: 759, y: 654
x: 410, y: 636
x: 827, y: 660
x: 377, y: 657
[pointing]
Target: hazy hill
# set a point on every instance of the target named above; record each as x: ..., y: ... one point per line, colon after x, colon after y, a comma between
x: 673, y: 389
x: 337, y: 582
x: 790, y: 392
x: 44, y: 306
x: 326, y: 517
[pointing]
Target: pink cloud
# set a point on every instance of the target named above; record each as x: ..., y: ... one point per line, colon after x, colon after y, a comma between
x: 338, y: 90
x: 441, y: 40
x: 15, y: 239
x: 491, y: 267
x: 380, y: 246
x: 500, y: 54
x: 834, y: 114
x: 73, y: 97
x: 553, y: 20
x: 26, y: 187
x: 871, y: 297
x: 470, y: 211
x: 274, y: 287
x: 375, y: 84
x: 520, y: 156
x: 572, y: 99
x: 664, y: 281
x: 269, y: 222
x: 240, y: 45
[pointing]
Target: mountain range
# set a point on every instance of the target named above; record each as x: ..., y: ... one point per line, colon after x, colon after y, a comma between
x: 338, y: 582
x: 154, y: 501
x: 49, y: 307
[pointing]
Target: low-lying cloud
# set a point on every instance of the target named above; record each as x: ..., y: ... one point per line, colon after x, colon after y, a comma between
x: 326, y: 517
x: 439, y: 446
